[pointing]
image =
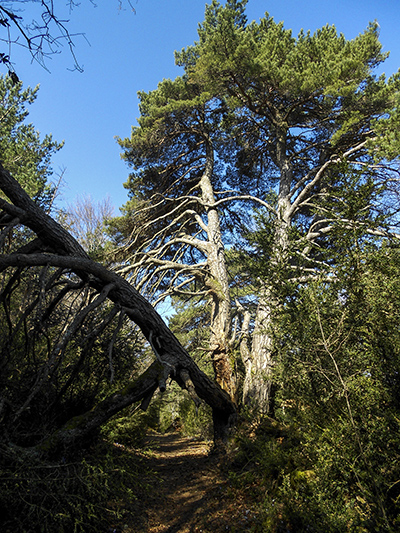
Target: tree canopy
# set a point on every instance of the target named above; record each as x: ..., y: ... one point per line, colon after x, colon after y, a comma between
x: 24, y: 154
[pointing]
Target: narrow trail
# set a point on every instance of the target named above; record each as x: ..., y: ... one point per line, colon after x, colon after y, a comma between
x: 187, y: 492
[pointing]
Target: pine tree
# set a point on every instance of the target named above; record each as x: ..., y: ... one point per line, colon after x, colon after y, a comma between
x: 306, y: 115
x: 175, y: 232
x: 290, y: 126
x: 22, y: 151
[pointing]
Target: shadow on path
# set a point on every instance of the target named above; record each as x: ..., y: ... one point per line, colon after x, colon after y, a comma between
x: 187, y: 491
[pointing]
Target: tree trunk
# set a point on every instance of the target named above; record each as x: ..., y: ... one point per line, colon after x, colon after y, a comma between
x: 218, y: 286
x: 259, y: 364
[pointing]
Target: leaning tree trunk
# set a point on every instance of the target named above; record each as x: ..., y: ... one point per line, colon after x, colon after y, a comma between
x: 58, y: 248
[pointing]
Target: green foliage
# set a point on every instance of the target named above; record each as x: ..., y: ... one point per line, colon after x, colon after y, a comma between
x: 83, y: 496
x: 190, y: 323
x: 338, y: 373
x: 330, y: 459
x: 129, y: 429
x: 23, y: 154
x: 195, y: 422
x: 274, y: 69
x: 174, y: 410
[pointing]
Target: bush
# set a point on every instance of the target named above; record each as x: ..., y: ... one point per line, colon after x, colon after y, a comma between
x: 196, y: 422
x: 130, y: 428
x: 85, y: 496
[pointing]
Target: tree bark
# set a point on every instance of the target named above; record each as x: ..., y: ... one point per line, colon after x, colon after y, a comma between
x: 259, y: 364
x: 218, y: 286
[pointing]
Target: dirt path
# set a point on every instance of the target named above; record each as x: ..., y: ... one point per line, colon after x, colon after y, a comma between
x: 189, y: 493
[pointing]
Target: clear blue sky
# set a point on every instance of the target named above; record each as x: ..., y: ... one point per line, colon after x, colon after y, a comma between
x: 130, y: 52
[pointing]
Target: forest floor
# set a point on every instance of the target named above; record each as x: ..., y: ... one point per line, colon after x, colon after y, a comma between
x: 187, y: 489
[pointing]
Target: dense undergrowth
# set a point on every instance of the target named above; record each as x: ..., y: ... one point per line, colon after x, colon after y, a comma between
x: 94, y: 488
x: 87, y: 492
x: 304, y: 482
x: 293, y: 481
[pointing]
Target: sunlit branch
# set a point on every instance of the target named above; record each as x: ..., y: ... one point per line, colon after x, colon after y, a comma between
x: 309, y: 186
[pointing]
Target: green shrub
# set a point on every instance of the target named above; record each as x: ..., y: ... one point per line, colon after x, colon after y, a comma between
x: 131, y: 427
x: 84, y: 496
x: 196, y: 422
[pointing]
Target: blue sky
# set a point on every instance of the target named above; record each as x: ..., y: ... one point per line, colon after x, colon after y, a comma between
x: 129, y: 52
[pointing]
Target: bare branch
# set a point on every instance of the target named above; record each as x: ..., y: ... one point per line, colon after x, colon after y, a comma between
x: 309, y: 186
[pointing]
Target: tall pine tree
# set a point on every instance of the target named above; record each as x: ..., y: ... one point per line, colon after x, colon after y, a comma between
x: 289, y: 125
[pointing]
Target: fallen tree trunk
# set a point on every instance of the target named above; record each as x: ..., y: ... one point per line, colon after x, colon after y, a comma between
x: 172, y: 358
